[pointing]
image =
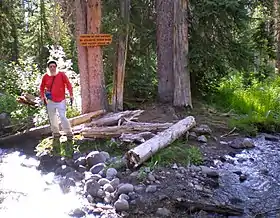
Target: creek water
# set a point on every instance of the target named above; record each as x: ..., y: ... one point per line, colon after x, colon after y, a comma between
x: 259, y: 190
x: 27, y: 192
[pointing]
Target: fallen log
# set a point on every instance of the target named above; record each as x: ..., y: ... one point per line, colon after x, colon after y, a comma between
x: 111, y: 119
x: 144, y: 151
x: 140, y: 137
x: 116, y: 131
x: 46, y: 130
x: 193, y: 207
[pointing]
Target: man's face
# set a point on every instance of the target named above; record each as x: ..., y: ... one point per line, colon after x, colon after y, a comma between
x: 52, y: 68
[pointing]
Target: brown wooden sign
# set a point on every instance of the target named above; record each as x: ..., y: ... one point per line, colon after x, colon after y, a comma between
x: 95, y: 39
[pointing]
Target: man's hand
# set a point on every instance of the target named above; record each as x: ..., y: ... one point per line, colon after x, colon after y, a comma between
x: 44, y: 100
x: 71, y: 100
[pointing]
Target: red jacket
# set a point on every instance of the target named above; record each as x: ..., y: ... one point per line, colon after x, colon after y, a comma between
x: 58, y: 89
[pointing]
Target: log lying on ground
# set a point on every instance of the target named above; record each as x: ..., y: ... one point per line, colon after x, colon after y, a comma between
x: 143, y: 152
x: 111, y: 119
x: 29, y: 100
x: 46, y: 130
x: 116, y: 131
x: 140, y: 137
x: 193, y: 207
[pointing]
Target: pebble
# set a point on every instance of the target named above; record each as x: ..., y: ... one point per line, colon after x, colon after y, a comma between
x: 163, y: 212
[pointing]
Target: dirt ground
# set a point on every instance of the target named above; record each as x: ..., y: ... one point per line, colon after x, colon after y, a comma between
x: 173, y: 187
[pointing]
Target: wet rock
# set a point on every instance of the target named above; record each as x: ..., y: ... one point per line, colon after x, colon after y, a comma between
x: 162, y: 197
x: 174, y: 166
x: 191, y: 136
x: 202, y: 129
x: 80, y: 161
x: 139, y: 188
x: 202, y: 139
x: 115, y: 183
x: 243, y: 177
x: 63, y: 170
x: 163, y: 212
x: 66, y: 183
x: 132, y: 195
x: 111, y: 173
x: 121, y: 205
x: 95, y: 157
x: 81, y: 169
x: 77, y: 155
x: 103, y: 181
x: 101, y: 193
x: 134, y: 174
x: 151, y: 177
x: 92, y: 187
x: 108, y: 188
x: 106, y: 155
x: 194, y: 168
x: 125, y: 188
x: 151, y: 189
x: 179, y: 175
x: 209, y: 172
x: 48, y: 162
x: 77, y: 213
x: 97, y: 168
x: 124, y: 196
x: 75, y: 175
x: 223, y: 143
x: 242, y: 143
x: 272, y: 138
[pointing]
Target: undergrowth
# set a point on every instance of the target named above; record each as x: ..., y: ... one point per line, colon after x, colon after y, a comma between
x: 255, y: 105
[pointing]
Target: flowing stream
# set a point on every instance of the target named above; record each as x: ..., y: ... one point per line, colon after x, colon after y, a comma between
x: 27, y: 192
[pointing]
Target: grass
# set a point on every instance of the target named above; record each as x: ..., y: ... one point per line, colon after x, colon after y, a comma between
x: 256, y: 106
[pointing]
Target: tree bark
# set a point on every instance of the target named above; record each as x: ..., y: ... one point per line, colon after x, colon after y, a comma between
x: 138, y: 155
x: 172, y: 51
x: 81, y: 28
x: 164, y: 22
x: 97, y: 94
x: 182, y: 89
x: 277, y: 33
x: 119, y: 74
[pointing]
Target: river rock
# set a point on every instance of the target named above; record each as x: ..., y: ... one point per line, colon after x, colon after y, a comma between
x: 97, y: 168
x: 4, y: 120
x: 242, y: 143
x: 66, y: 183
x: 124, y: 196
x: 121, y: 205
x: 209, y: 172
x: 108, y: 188
x: 95, y: 157
x: 202, y: 138
x: 81, y: 169
x: 103, y: 181
x: 92, y: 187
x: 77, y: 213
x: 115, y: 183
x: 163, y: 212
x: 151, y: 189
x: 80, y: 161
x: 125, y: 188
x: 63, y: 170
x: 191, y: 136
x: 271, y: 137
x: 111, y: 173
x: 202, y: 130
x: 75, y: 175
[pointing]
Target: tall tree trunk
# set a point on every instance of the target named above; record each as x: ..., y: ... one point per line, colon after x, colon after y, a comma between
x: 164, y: 22
x: 172, y: 50
x: 81, y: 28
x: 119, y: 74
x: 96, y: 80
x: 277, y: 33
x: 182, y: 89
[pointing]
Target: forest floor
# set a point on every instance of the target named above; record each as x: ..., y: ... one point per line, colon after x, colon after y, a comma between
x: 177, y: 185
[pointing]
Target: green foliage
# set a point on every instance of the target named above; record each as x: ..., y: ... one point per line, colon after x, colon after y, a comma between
x: 7, y: 104
x: 257, y: 106
x: 177, y: 152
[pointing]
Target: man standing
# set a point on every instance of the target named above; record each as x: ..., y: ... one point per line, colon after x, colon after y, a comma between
x: 52, y: 92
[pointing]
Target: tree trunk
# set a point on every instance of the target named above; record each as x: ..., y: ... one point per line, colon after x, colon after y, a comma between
x: 81, y: 28
x: 97, y: 94
x: 138, y: 155
x: 164, y: 23
x: 182, y: 91
x: 119, y: 74
x: 172, y: 50
x: 277, y: 33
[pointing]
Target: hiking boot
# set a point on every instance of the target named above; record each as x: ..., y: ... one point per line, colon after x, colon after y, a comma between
x: 56, y: 135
